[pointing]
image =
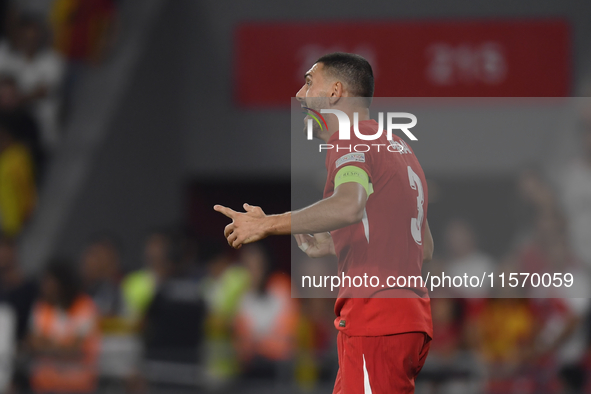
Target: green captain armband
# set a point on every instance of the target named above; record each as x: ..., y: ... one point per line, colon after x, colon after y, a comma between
x: 353, y: 174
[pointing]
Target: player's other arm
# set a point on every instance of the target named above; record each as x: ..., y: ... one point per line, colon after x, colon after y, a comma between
x: 317, y: 245
x: 428, y: 245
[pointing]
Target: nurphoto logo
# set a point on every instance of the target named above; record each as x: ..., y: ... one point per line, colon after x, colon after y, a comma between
x: 345, y: 124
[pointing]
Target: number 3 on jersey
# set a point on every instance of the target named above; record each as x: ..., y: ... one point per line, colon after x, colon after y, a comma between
x: 416, y: 223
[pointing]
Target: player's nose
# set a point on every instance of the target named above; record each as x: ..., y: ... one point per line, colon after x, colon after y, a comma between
x: 300, y: 95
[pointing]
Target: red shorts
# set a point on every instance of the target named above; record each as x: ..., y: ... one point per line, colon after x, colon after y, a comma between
x: 376, y: 365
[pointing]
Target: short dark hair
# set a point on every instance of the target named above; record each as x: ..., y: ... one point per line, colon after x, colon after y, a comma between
x: 355, y: 71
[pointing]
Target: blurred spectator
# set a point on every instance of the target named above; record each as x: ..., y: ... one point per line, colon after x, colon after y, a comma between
x: 140, y: 286
x: 7, y: 348
x: 38, y: 71
x: 16, y: 289
x: 39, y: 8
x: 503, y: 334
x: 174, y: 324
x: 84, y: 30
x: 316, y: 359
x: 4, y: 11
x: 120, y: 346
x: 190, y: 253
x: 537, y: 199
x: 64, y: 335
x: 25, y: 127
x: 18, y: 194
x: 224, y: 287
x: 101, y: 274
x: 560, y: 339
x: 466, y: 259
x: 446, y: 314
x: 451, y: 367
x: 505, y: 328
x: 575, y: 187
x: 267, y: 320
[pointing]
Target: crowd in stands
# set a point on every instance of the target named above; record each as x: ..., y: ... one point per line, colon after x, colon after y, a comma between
x: 204, y: 317
x: 45, y: 45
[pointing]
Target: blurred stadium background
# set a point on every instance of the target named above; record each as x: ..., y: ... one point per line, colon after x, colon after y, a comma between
x: 122, y: 122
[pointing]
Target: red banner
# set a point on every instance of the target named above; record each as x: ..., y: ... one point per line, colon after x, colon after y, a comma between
x: 497, y: 58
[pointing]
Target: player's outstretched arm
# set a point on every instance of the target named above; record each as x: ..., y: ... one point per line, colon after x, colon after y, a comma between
x: 343, y: 208
x: 428, y: 245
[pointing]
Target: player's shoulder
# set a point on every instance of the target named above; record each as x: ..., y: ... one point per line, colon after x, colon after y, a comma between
x: 400, y: 146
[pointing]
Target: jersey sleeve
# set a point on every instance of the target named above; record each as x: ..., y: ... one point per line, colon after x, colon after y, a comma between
x: 345, y: 166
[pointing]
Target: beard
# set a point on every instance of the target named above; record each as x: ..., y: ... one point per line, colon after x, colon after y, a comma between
x: 316, y: 104
x: 315, y: 127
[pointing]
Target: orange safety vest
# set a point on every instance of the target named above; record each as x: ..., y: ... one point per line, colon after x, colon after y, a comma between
x: 79, y: 374
x: 277, y: 342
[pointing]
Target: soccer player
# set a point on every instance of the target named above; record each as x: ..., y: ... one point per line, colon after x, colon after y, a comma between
x: 373, y: 217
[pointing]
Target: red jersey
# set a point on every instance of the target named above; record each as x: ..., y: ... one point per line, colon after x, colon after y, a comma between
x: 387, y: 242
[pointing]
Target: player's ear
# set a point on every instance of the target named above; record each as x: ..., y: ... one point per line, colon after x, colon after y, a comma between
x: 336, y: 92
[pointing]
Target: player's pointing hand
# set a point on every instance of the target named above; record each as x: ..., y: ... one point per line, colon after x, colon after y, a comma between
x: 225, y: 210
x: 246, y: 227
